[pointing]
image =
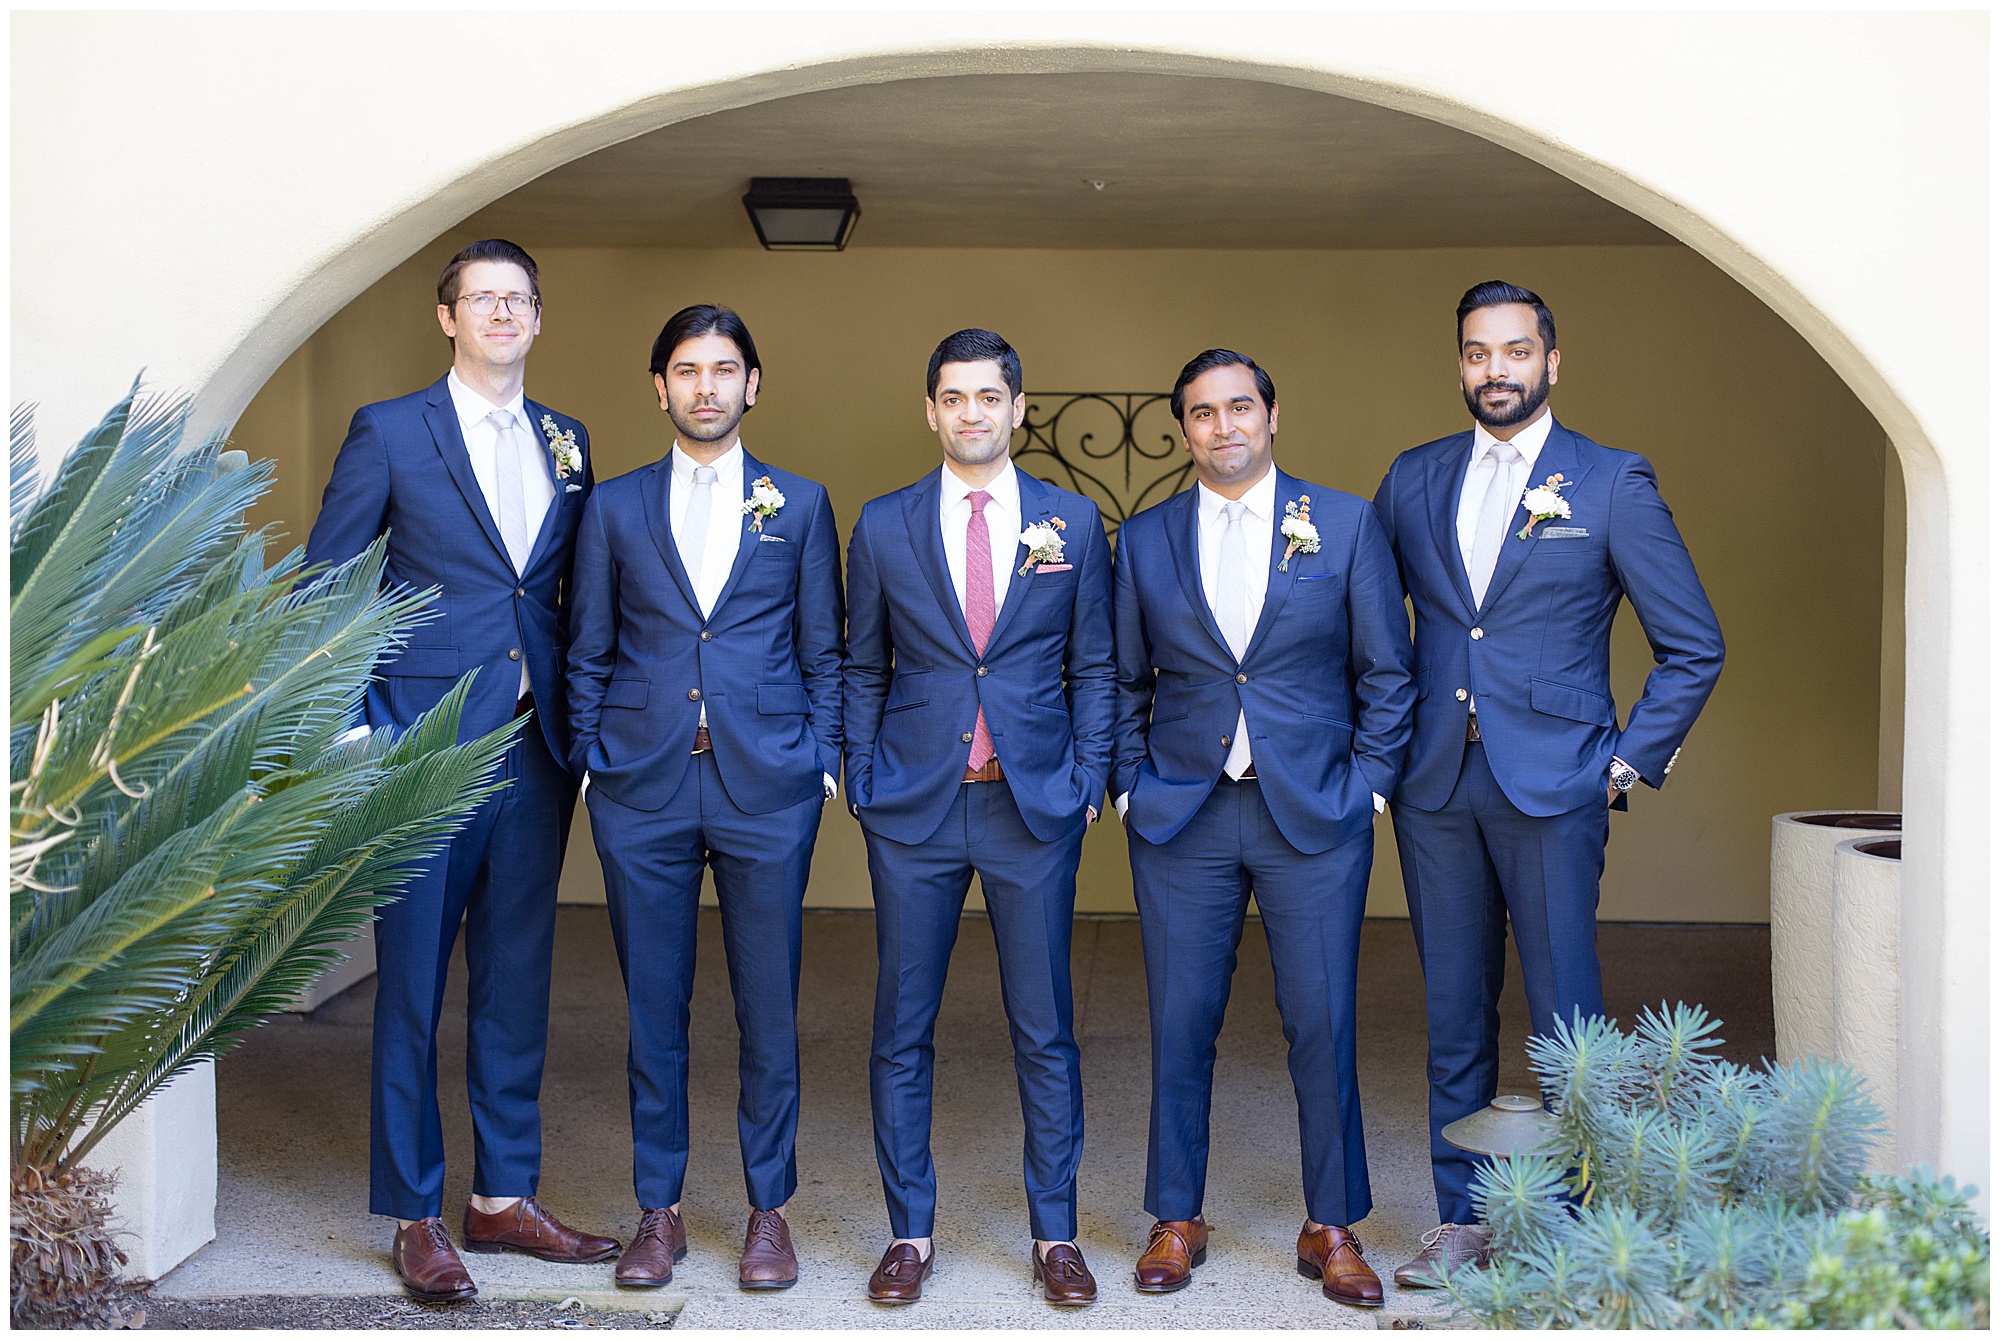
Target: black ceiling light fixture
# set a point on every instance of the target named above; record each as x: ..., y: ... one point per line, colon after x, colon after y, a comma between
x: 802, y: 213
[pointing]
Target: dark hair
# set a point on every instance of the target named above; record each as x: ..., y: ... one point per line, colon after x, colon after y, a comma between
x: 1500, y: 293
x: 973, y: 345
x: 691, y: 323
x: 1208, y: 360
x: 492, y: 249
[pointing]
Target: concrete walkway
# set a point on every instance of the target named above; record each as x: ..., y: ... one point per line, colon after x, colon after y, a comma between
x: 293, y: 1115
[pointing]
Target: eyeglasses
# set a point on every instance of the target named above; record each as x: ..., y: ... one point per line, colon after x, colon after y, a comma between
x: 482, y: 304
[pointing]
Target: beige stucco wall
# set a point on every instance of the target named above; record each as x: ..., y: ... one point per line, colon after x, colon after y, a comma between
x: 276, y: 165
x: 1772, y: 466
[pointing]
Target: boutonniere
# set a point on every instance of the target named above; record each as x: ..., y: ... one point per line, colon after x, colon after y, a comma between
x: 1301, y: 535
x: 1045, y: 543
x: 1544, y: 504
x: 562, y: 447
x: 764, y: 501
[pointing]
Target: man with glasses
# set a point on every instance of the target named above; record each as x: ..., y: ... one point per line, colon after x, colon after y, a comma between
x: 479, y: 491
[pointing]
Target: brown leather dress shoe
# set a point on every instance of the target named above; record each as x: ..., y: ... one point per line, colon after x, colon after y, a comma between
x: 1173, y: 1249
x: 526, y: 1227
x: 649, y: 1261
x: 1066, y: 1281
x: 428, y: 1264
x: 900, y: 1278
x: 1447, y: 1248
x: 768, y: 1259
x: 1332, y: 1255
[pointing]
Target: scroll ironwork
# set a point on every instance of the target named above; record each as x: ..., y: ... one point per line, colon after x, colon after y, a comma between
x: 1120, y: 449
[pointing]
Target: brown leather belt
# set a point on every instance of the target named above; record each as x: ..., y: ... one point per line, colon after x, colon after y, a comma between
x: 701, y: 741
x: 1472, y: 728
x: 524, y: 706
x: 990, y: 773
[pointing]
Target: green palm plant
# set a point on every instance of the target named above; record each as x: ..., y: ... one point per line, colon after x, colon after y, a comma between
x: 194, y: 830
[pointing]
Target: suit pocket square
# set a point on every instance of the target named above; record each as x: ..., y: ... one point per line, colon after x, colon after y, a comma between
x: 572, y: 488
x: 770, y: 539
x: 1565, y: 533
x: 1053, y: 567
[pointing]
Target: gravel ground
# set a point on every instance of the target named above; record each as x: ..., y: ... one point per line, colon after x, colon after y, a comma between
x: 279, y: 1312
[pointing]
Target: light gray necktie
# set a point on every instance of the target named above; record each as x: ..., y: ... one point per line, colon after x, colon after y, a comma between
x: 694, y: 526
x: 513, y: 501
x: 1496, y: 513
x: 1232, y: 581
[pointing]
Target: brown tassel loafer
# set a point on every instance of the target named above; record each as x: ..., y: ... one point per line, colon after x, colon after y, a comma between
x: 900, y: 1278
x: 649, y: 1261
x: 768, y: 1259
x: 428, y: 1264
x: 526, y: 1227
x: 1332, y: 1255
x: 1173, y: 1249
x: 1066, y: 1281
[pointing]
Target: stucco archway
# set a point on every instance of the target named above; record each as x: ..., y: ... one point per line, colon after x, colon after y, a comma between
x: 265, y: 308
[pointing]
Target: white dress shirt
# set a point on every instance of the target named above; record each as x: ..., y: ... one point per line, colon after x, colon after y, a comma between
x: 725, y: 520
x: 1259, y: 507
x: 725, y: 534
x: 1003, y: 528
x: 1479, y: 471
x: 482, y: 444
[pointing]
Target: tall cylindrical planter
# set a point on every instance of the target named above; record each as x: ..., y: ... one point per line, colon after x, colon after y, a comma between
x: 1802, y: 846
x: 1867, y: 970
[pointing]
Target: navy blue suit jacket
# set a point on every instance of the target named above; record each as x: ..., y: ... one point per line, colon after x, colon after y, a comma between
x: 914, y: 686
x: 1537, y: 654
x: 404, y: 469
x: 767, y: 661
x: 1325, y: 686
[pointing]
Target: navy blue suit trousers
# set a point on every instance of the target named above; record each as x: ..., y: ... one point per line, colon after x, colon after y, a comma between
x: 1030, y: 889
x: 1193, y: 891
x: 1469, y: 868
x: 653, y: 863
x: 498, y: 876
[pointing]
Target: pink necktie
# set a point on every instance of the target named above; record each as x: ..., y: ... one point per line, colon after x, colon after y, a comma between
x: 979, y: 608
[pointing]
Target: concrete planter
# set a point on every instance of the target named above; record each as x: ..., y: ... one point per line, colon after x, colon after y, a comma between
x: 359, y: 964
x: 164, y: 1158
x: 1802, y: 991
x: 1867, y: 969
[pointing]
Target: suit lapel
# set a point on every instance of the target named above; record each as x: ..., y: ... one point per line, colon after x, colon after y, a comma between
x: 746, y: 539
x: 1184, y: 544
x: 656, y: 494
x: 560, y: 498
x: 1444, y: 480
x: 1037, y: 504
x: 1558, y: 456
x: 920, y: 519
x: 442, y: 416
x: 1278, y: 585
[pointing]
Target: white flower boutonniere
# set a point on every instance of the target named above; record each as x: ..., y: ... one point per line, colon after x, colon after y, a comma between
x: 1045, y: 543
x: 562, y: 447
x: 1544, y: 504
x: 1301, y: 535
x: 764, y: 501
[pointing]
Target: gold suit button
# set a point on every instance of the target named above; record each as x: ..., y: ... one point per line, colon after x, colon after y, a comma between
x: 965, y: 738
x: 1478, y: 633
x: 1243, y: 679
x: 1225, y: 742
x: 514, y: 655
x: 704, y: 635
x: 1462, y: 695
x: 694, y: 695
x: 520, y: 590
x: 981, y: 672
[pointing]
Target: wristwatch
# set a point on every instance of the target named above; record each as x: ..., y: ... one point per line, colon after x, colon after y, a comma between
x: 1623, y: 775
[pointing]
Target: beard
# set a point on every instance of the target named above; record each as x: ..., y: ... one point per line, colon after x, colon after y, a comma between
x: 1532, y: 398
x: 691, y: 430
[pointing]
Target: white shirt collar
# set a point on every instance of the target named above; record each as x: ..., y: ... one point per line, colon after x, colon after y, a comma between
x: 728, y: 466
x: 1260, y: 501
x: 473, y: 407
x: 1529, y: 441
x: 1004, y: 488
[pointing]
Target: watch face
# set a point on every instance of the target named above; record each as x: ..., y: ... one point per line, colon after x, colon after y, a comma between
x: 1624, y: 776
